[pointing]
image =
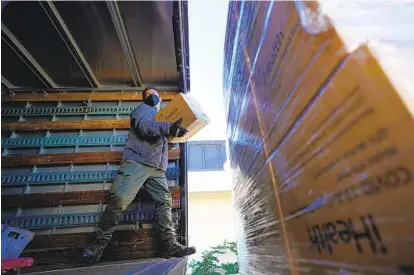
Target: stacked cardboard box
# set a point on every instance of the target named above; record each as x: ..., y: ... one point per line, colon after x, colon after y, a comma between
x: 321, y: 136
x: 186, y: 109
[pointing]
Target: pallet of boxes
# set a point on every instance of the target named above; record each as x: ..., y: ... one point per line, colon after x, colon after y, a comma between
x: 320, y: 106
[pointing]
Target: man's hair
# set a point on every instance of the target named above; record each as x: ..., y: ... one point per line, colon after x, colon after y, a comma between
x: 149, y: 87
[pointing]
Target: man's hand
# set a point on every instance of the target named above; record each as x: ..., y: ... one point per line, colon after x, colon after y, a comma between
x: 176, y: 130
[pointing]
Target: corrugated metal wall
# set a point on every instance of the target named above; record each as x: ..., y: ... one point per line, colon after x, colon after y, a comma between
x: 57, y: 182
x: 93, y: 44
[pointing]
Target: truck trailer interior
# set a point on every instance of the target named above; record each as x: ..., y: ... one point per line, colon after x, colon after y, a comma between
x: 72, y: 72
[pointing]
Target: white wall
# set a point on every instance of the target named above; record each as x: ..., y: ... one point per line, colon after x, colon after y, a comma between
x: 209, y: 181
x: 210, y: 221
x: 210, y: 210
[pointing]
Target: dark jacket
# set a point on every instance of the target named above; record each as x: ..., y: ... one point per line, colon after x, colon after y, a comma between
x: 147, y: 139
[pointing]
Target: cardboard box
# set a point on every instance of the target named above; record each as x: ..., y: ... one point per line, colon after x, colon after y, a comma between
x: 14, y: 240
x: 360, y: 126
x: 366, y: 237
x: 248, y: 150
x: 294, y: 47
x: 256, y: 210
x: 348, y: 169
x: 186, y: 108
x: 176, y: 196
x: 292, y: 64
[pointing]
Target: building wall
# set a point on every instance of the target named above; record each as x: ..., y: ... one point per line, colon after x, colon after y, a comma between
x: 210, y: 211
x: 210, y: 220
x: 209, y: 181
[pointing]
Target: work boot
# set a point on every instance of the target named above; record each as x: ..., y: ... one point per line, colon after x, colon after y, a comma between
x: 175, y: 249
x: 92, y: 254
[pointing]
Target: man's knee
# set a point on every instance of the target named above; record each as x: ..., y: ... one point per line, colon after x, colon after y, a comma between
x: 120, y: 202
x: 113, y: 212
x: 164, y: 198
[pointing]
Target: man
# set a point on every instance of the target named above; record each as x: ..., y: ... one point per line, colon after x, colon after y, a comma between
x: 144, y: 163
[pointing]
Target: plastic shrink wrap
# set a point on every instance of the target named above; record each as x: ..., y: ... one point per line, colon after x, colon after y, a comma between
x: 321, y: 136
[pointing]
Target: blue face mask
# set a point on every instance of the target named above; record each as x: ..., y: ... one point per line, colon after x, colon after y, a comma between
x: 152, y: 100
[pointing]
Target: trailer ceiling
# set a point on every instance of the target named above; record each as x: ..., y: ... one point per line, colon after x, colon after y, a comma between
x: 98, y: 46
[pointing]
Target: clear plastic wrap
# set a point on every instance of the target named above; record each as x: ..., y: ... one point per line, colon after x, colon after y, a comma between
x: 320, y: 136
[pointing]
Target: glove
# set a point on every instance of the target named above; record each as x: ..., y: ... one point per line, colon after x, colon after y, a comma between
x: 176, y: 130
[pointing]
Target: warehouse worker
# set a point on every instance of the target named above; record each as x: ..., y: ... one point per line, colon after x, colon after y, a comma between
x: 144, y: 163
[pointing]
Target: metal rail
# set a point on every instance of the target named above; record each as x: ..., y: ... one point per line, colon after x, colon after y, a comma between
x: 124, y: 41
x: 6, y: 83
x: 69, y: 177
x: 71, y: 220
x: 183, y: 183
x: 180, y: 28
x: 70, y: 111
x: 9, y: 38
x: 161, y: 88
x: 63, y: 141
x: 66, y: 111
x: 70, y: 42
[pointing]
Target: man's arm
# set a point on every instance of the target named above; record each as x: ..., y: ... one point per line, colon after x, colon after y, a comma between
x: 144, y: 123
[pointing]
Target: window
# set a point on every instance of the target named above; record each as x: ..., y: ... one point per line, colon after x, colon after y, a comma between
x: 206, y: 155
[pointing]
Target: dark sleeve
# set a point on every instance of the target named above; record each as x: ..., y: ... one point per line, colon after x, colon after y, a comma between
x: 144, y: 123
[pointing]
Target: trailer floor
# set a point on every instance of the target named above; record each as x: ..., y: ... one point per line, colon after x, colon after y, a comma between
x: 159, y: 266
